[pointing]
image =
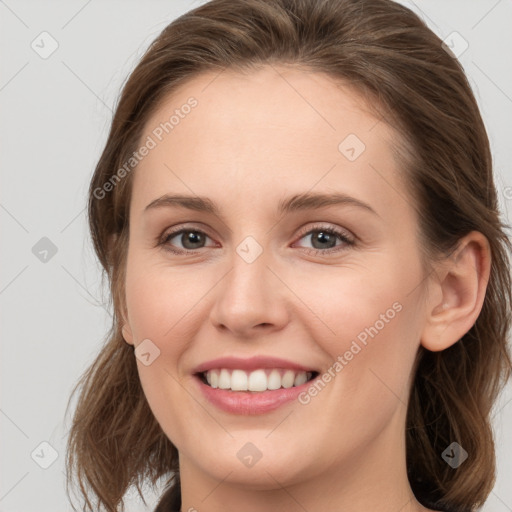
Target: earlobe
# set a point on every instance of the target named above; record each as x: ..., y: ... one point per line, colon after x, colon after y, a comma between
x: 459, y: 293
x: 127, y: 334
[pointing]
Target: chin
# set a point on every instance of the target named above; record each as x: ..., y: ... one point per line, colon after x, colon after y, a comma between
x: 253, y: 462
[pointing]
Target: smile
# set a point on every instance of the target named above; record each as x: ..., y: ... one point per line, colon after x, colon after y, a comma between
x: 253, y: 386
x: 259, y: 380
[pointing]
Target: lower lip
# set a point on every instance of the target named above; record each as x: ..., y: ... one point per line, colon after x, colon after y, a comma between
x: 251, y: 402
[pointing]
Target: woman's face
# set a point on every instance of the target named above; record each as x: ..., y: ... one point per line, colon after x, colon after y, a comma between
x: 273, y: 269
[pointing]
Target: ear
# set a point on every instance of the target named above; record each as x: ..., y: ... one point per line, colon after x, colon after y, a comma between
x: 458, y: 293
x: 125, y: 329
x: 127, y: 333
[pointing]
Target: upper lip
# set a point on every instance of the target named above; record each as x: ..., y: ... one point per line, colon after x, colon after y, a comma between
x: 252, y: 363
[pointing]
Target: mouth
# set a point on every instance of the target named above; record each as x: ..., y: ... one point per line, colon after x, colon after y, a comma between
x: 252, y: 386
x: 255, y: 381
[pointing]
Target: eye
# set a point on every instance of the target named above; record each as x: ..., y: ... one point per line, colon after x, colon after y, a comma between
x: 191, y: 239
x: 324, y: 238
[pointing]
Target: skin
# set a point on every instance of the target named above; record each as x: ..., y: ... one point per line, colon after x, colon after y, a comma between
x: 253, y: 140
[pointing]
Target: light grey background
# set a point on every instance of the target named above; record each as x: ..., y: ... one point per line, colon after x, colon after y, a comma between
x: 55, y: 113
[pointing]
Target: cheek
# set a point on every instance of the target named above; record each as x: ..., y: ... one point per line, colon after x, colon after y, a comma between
x: 161, y: 308
x: 375, y: 345
x: 371, y: 325
x: 160, y: 300
x: 352, y: 303
x: 366, y: 386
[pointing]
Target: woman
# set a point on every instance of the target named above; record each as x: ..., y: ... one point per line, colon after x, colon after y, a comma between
x: 296, y: 212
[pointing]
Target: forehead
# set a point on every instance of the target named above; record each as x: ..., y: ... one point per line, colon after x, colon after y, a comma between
x: 264, y: 101
x: 265, y: 131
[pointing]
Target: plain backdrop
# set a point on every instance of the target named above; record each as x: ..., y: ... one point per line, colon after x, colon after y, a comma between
x: 62, y: 66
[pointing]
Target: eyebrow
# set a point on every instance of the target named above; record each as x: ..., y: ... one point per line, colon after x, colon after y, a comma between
x: 298, y: 202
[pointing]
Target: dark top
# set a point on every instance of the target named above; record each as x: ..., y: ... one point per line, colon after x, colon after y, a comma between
x: 171, y: 502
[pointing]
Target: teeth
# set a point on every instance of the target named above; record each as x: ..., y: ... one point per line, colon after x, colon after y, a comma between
x: 274, y: 380
x: 214, y: 379
x: 224, y: 380
x: 300, y: 379
x: 239, y: 380
x: 288, y: 378
x: 257, y: 380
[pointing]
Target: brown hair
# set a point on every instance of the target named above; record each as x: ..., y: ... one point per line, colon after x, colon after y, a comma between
x: 389, y: 55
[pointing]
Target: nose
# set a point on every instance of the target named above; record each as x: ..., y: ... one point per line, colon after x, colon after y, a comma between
x: 251, y: 299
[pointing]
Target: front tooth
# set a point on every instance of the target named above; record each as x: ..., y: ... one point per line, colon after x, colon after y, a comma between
x: 288, y: 378
x: 239, y: 380
x: 274, y: 380
x: 257, y: 381
x: 224, y: 379
x: 300, y: 379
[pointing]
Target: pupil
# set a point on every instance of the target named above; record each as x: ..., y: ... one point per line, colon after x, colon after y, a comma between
x: 192, y: 237
x: 325, y: 237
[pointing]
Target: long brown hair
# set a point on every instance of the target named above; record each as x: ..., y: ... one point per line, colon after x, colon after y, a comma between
x: 390, y: 56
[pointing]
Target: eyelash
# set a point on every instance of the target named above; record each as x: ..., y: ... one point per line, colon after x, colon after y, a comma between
x: 348, y: 241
